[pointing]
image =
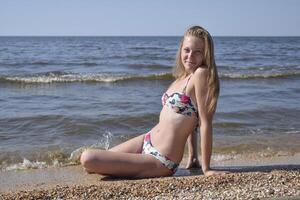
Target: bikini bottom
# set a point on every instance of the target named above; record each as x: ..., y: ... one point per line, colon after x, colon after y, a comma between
x: 149, y: 149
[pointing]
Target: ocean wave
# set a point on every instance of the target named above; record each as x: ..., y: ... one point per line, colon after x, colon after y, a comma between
x: 231, y: 149
x: 60, y: 77
x: 259, y: 76
x: 55, y: 158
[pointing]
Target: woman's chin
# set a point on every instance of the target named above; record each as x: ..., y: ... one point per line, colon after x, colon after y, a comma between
x: 190, y: 68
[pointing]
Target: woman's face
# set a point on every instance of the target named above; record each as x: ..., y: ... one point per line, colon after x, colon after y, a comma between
x: 192, y: 52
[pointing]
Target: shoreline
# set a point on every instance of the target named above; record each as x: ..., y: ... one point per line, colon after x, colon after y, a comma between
x: 272, y: 178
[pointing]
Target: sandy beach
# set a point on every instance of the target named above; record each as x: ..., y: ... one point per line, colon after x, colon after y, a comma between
x: 269, y: 180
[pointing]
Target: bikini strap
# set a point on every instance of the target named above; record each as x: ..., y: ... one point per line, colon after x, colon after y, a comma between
x: 186, y: 84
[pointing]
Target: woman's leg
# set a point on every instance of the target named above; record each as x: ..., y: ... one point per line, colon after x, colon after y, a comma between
x: 133, y: 145
x: 123, y: 164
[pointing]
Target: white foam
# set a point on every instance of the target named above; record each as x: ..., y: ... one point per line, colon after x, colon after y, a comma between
x: 27, y: 164
x: 66, y: 78
x: 223, y: 157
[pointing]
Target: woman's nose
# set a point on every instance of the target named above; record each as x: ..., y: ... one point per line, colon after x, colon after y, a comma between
x: 190, y: 54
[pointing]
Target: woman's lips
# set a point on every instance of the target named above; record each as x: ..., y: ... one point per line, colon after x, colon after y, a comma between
x: 188, y: 62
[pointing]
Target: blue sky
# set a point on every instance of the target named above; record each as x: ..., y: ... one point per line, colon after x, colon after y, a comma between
x: 152, y: 17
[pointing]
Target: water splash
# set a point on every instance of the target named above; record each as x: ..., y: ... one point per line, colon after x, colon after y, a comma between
x: 107, y: 139
x: 104, y: 143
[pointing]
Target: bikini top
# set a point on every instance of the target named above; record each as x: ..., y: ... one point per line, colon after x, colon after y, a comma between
x: 180, y: 102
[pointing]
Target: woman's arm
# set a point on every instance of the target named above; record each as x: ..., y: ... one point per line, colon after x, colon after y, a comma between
x: 206, y: 144
x: 201, y: 90
x: 205, y: 120
x: 193, y: 161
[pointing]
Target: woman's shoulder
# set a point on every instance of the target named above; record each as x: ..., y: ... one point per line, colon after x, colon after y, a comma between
x: 201, y: 73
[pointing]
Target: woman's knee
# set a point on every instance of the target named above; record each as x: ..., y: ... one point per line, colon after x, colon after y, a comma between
x: 87, y: 158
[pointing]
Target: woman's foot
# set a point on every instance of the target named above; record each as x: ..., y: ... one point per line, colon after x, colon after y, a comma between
x: 193, y: 163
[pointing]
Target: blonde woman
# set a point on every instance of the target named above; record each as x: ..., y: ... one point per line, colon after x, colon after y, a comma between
x: 188, y: 103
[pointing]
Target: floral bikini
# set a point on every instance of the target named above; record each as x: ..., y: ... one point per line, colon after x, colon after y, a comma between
x: 149, y: 149
x: 180, y: 103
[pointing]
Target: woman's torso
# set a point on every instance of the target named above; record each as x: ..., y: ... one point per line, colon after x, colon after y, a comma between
x: 177, y: 119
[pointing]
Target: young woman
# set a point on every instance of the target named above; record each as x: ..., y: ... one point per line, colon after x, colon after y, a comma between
x: 189, y: 102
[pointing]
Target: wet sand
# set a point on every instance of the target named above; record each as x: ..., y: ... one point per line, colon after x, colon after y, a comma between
x: 273, y: 178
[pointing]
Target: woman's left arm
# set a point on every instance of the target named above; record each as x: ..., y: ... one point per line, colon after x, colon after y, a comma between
x: 205, y: 120
x: 193, y: 161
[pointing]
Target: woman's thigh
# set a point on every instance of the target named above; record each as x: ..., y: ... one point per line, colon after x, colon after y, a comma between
x: 123, y: 164
x: 133, y: 145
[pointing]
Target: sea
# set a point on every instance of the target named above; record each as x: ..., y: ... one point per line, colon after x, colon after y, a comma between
x: 61, y: 95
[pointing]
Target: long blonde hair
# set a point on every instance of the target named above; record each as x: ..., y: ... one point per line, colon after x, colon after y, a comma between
x: 209, y: 61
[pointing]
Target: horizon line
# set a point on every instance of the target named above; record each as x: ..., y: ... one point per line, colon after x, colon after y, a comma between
x: 144, y: 35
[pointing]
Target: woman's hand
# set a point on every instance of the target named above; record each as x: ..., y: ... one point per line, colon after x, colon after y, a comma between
x: 214, y: 172
x: 193, y: 163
